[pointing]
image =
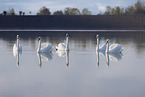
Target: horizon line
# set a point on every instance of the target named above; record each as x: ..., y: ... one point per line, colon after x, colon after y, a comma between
x: 63, y: 30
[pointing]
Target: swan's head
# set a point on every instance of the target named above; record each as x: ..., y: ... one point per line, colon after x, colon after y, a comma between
x: 97, y: 36
x: 67, y: 35
x: 17, y: 36
x: 39, y: 38
x: 107, y: 41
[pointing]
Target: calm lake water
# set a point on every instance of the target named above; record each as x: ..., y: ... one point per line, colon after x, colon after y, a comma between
x: 76, y: 73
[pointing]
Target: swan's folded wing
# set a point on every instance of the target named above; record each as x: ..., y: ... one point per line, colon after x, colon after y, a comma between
x: 102, y: 47
x: 20, y: 47
x: 44, y: 45
x: 61, y: 45
x: 115, y: 48
x: 14, y: 47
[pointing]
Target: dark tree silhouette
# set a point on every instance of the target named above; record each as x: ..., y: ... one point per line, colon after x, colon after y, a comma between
x: 44, y: 11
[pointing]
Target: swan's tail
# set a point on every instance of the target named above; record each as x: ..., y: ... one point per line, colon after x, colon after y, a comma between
x: 121, y: 49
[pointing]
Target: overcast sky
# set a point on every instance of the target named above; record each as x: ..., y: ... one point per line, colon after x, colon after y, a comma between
x: 95, y: 6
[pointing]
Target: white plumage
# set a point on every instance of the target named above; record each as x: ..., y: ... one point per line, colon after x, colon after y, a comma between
x: 44, y: 47
x: 63, y: 46
x: 17, y: 46
x: 17, y: 50
x: 99, y: 46
x: 114, y: 47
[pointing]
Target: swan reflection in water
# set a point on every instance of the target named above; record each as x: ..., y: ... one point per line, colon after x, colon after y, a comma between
x: 17, y: 49
x: 44, y: 57
x: 115, y: 56
x: 62, y: 49
x: 64, y: 54
x: 17, y: 53
x: 99, y: 53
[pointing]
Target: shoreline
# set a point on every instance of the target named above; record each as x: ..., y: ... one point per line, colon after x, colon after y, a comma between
x: 77, y: 23
x: 63, y: 30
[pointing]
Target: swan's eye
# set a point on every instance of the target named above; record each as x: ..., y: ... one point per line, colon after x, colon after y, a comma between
x: 39, y: 38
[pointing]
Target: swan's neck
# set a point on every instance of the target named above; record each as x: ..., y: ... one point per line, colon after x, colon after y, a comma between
x: 97, y: 43
x: 39, y: 46
x: 67, y: 43
x: 18, y: 43
x: 107, y: 47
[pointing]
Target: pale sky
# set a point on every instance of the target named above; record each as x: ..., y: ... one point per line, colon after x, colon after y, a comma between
x: 95, y: 6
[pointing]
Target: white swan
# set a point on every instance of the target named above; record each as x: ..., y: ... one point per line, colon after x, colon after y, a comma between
x: 44, y: 47
x: 63, y: 46
x: 17, y: 50
x: 113, y: 48
x: 100, y: 47
x: 17, y: 46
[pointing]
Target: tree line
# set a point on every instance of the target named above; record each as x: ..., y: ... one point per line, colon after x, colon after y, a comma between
x: 67, y: 11
x: 137, y: 8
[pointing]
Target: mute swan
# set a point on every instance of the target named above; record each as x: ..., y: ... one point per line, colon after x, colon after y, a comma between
x: 100, y: 47
x: 114, y: 47
x: 17, y: 46
x: 64, y: 46
x: 44, y: 47
x: 17, y: 50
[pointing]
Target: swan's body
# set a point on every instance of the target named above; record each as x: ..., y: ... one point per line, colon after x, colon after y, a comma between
x: 17, y: 50
x: 44, y: 47
x: 113, y: 48
x: 100, y: 47
x: 63, y: 46
x: 17, y: 46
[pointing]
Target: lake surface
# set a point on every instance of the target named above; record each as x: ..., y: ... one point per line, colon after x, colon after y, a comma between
x: 81, y: 72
